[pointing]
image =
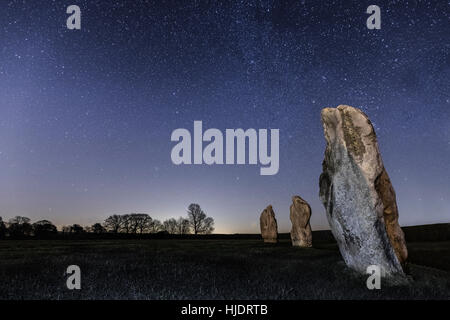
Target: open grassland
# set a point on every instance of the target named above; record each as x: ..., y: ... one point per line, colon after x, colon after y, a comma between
x: 206, y: 269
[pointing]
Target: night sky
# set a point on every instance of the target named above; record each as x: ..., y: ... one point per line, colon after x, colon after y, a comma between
x: 86, y: 115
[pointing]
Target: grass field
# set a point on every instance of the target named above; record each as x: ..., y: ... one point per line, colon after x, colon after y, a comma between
x: 206, y: 269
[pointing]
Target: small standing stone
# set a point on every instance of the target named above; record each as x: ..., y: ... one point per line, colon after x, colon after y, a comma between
x: 269, y: 229
x: 300, y: 213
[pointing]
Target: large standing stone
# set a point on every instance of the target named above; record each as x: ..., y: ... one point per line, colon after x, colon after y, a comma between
x: 358, y: 195
x: 300, y: 213
x: 269, y: 229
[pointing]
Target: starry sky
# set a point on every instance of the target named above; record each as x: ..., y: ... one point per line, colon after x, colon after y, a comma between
x: 86, y: 115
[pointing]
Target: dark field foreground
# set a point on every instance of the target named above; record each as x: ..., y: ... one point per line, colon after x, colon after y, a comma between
x: 206, y: 269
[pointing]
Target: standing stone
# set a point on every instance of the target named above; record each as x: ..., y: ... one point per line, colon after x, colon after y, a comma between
x: 269, y: 229
x: 357, y: 194
x: 300, y: 213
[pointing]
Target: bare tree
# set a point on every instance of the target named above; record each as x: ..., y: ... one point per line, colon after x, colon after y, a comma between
x: 97, y: 228
x: 20, y: 226
x: 126, y: 223
x: 44, y: 228
x: 113, y: 223
x: 132, y: 223
x: 139, y: 222
x: 155, y: 226
x: 74, y: 228
x: 19, y: 220
x: 198, y: 220
x: 66, y: 229
x: 170, y: 226
x: 144, y: 221
x: 3, y: 229
x: 77, y: 229
x: 183, y: 226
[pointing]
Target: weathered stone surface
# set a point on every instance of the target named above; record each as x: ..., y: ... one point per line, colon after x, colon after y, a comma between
x: 300, y: 213
x: 269, y: 228
x: 357, y: 194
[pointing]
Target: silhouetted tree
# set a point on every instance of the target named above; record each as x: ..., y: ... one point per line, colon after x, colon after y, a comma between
x: 65, y: 229
x: 198, y: 220
x: 20, y: 227
x: 145, y: 223
x: 155, y: 226
x: 183, y: 226
x: 114, y: 223
x: 3, y: 229
x: 44, y: 228
x: 76, y: 229
x: 97, y: 228
x: 170, y: 225
x: 131, y: 223
x: 139, y: 222
x: 126, y: 223
x: 19, y: 220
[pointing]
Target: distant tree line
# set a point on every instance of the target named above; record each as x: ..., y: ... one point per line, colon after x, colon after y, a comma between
x: 196, y: 222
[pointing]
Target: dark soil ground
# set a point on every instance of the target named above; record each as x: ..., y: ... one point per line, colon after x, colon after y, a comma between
x: 206, y: 269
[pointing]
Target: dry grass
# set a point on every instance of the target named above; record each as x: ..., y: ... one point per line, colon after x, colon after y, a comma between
x: 205, y: 269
